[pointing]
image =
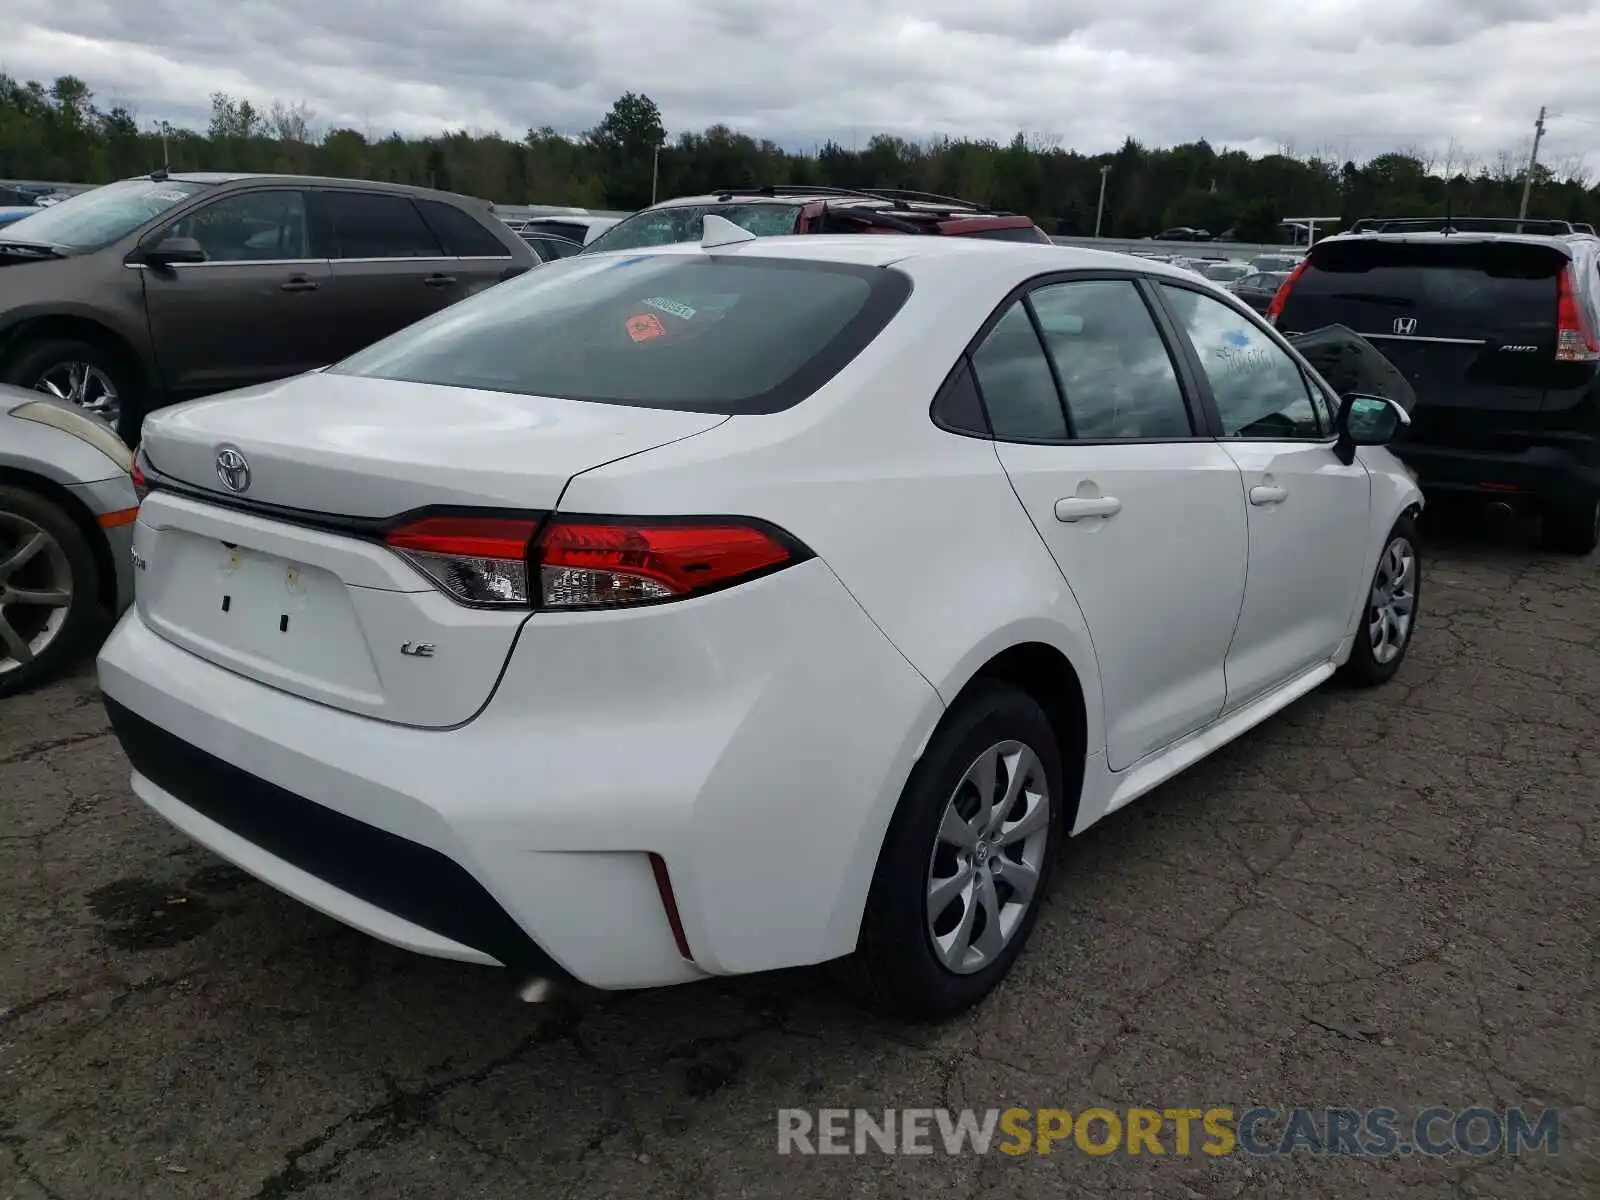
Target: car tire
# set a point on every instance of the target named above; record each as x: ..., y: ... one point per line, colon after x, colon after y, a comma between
x: 35, y: 362
x: 1386, y: 630
x: 43, y: 551
x: 897, y: 966
x: 1572, y: 528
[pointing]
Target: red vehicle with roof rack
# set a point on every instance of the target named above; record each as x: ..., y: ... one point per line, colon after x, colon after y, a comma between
x: 776, y: 210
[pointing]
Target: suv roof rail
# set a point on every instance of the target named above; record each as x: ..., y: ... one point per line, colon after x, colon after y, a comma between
x: 795, y: 189
x: 1461, y: 224
x: 927, y: 198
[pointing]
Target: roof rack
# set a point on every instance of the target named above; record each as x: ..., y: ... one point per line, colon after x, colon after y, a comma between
x: 927, y: 198
x: 898, y: 198
x: 1460, y: 225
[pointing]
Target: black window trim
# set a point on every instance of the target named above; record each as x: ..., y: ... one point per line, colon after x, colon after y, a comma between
x: 333, y: 229
x: 1308, y: 374
x: 1203, y: 420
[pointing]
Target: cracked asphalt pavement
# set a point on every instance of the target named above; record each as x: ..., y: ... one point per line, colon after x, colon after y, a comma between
x: 1379, y: 898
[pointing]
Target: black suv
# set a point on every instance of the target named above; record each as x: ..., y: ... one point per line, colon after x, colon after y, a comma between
x: 167, y: 287
x: 1494, y: 323
x: 773, y: 211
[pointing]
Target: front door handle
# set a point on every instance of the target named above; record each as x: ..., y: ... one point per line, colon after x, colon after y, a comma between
x: 1267, y: 494
x: 439, y: 280
x: 1076, y: 508
x: 298, y: 283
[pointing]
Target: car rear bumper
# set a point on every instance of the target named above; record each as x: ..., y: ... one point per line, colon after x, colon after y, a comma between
x: 755, y: 740
x: 1547, y: 473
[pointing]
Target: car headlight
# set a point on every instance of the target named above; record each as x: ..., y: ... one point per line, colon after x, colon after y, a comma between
x: 85, y: 429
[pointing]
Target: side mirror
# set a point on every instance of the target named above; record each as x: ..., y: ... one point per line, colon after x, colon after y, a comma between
x: 1367, y: 421
x: 174, y: 250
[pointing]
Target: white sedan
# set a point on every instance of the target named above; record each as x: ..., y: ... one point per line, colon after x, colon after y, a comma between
x: 729, y: 606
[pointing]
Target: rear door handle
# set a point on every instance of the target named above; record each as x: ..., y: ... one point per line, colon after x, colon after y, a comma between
x: 1076, y: 508
x: 1267, y: 494
x: 439, y: 280
x: 298, y: 283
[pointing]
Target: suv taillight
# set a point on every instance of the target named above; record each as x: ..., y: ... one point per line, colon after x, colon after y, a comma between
x: 1275, y: 309
x: 589, y: 562
x: 1575, y: 340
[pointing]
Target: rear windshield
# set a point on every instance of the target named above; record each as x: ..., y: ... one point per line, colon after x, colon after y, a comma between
x: 686, y: 223
x: 1014, y: 233
x: 1465, y: 290
x: 676, y: 331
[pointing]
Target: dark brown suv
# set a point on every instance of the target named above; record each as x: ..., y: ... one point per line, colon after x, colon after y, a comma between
x: 774, y: 211
x: 167, y: 287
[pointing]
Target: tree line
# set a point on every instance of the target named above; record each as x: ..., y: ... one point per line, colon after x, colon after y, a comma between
x: 58, y: 132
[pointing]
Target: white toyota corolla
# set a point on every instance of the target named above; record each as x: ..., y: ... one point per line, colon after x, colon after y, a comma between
x: 745, y: 604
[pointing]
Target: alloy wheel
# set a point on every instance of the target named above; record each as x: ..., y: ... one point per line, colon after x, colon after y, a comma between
x: 983, y: 875
x: 35, y: 591
x: 1393, y: 602
x: 85, y: 385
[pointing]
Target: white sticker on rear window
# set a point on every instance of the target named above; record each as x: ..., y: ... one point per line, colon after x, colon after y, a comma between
x: 169, y: 197
x: 668, y: 305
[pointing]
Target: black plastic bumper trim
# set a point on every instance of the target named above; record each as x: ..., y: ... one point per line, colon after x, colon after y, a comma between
x: 402, y: 877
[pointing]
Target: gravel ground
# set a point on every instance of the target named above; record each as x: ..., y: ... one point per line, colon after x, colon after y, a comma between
x: 1376, y: 899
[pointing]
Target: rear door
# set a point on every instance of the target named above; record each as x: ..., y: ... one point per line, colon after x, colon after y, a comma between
x: 1144, y: 515
x: 1470, y: 322
x: 259, y: 308
x: 390, y: 267
x: 481, y: 257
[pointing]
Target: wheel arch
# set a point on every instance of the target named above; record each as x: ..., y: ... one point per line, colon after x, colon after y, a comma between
x: 46, y: 326
x: 79, y: 514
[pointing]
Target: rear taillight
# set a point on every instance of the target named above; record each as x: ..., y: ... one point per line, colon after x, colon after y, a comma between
x: 141, y: 481
x: 477, y: 560
x: 1575, y: 340
x: 1275, y: 309
x: 589, y: 562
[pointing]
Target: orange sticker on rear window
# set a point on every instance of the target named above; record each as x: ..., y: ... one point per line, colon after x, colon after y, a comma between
x: 644, y: 326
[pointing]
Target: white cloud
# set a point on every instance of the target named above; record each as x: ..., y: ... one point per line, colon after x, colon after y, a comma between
x: 1347, y: 77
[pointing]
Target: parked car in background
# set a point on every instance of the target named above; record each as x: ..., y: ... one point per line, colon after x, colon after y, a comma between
x: 1497, y: 333
x: 814, y: 496
x: 550, y: 246
x: 1226, y: 271
x: 1276, y: 262
x: 167, y: 287
x: 1183, y: 233
x: 67, y: 507
x: 774, y: 211
x: 1258, y: 288
x: 574, y: 227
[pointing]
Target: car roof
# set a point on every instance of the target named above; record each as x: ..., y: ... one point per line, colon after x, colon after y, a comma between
x: 886, y: 200
x: 222, y: 178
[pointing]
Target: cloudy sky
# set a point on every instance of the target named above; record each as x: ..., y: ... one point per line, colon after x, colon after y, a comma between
x: 1349, y: 77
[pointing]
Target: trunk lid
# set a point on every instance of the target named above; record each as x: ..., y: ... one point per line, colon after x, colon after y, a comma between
x: 309, y: 600
x: 1470, y: 322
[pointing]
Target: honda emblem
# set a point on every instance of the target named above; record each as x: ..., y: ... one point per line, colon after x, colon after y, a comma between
x: 1405, y: 326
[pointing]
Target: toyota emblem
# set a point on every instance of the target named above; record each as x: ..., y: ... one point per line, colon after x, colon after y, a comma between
x: 233, y: 469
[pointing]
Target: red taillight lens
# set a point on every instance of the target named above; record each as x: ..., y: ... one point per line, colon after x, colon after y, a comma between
x: 1575, y: 340
x: 1275, y: 309
x: 141, y: 484
x: 477, y: 560
x: 595, y: 563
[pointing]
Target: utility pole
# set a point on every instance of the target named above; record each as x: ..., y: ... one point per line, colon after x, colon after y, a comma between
x: 655, y: 171
x: 1100, y: 209
x: 1533, y: 160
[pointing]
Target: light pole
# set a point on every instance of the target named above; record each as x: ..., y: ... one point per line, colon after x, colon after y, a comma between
x: 1100, y: 209
x: 655, y: 171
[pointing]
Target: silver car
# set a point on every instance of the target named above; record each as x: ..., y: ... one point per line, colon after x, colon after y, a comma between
x: 67, y: 509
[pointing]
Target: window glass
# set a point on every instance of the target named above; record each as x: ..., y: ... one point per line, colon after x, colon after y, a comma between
x: 1258, y: 388
x: 369, y: 225
x: 1014, y: 376
x: 101, y: 215
x: 1030, y: 233
x: 1113, y: 365
x: 686, y: 223
x: 659, y: 331
x: 460, y: 233
x: 249, y: 227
